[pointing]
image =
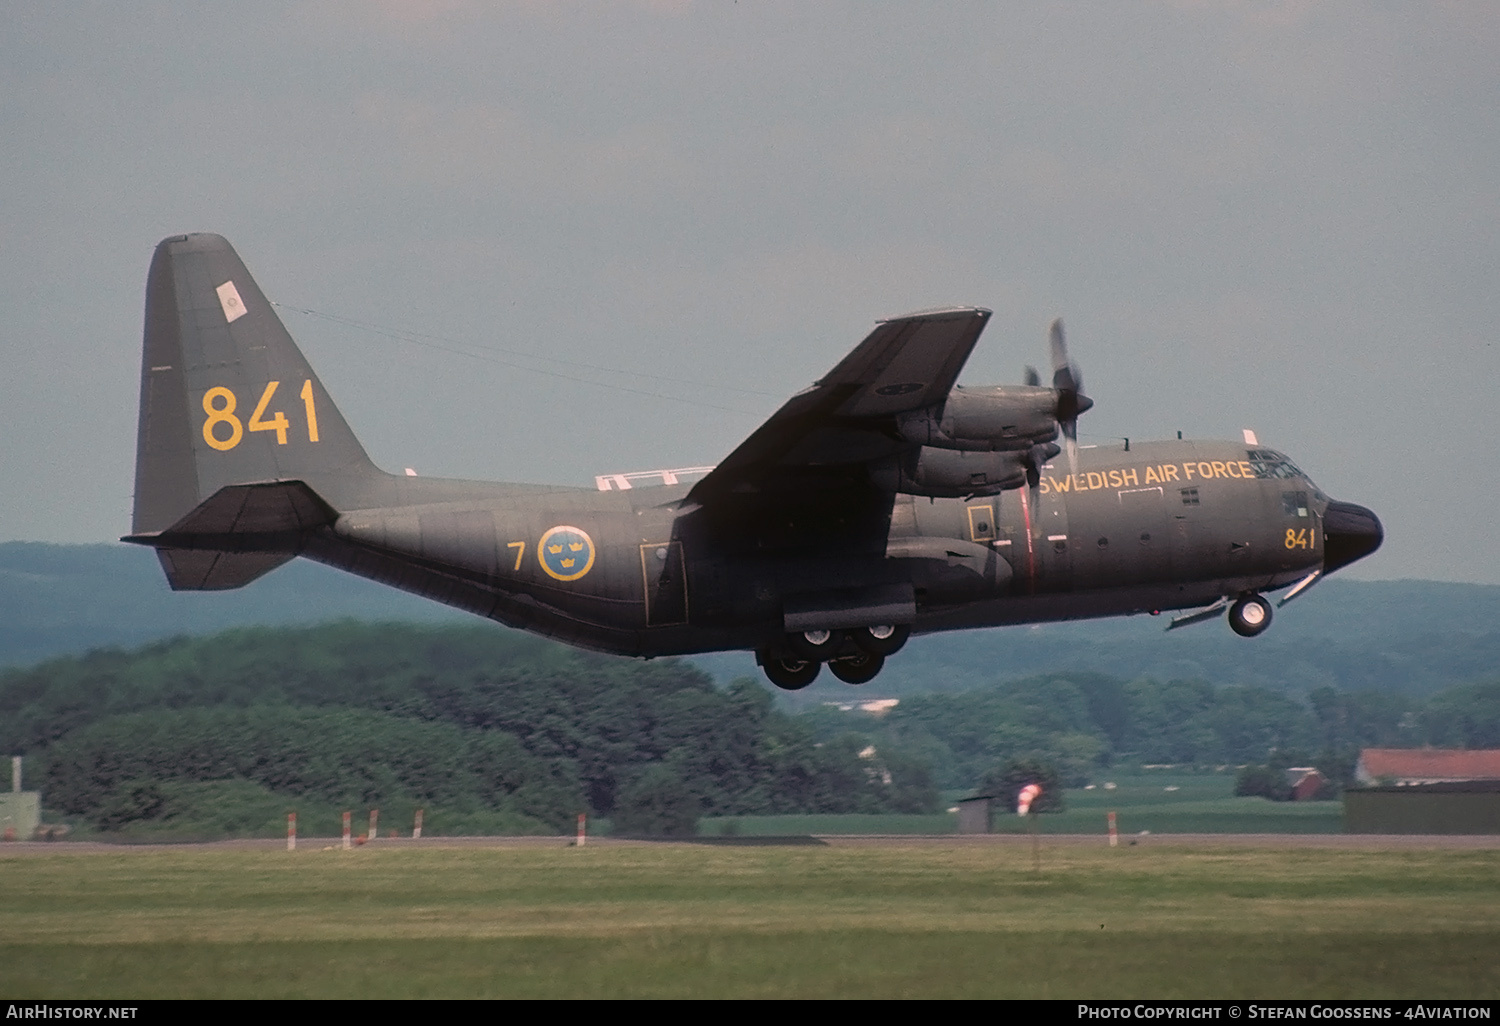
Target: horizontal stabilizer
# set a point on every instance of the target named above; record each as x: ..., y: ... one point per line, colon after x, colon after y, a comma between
x: 208, y: 570
x: 275, y: 507
x: 239, y: 533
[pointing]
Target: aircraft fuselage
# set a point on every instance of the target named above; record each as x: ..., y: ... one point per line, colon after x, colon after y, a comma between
x: 1162, y: 525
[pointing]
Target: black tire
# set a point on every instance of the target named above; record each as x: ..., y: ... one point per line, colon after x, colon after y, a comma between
x: 882, y: 640
x: 857, y: 669
x: 1250, y: 615
x: 788, y: 672
x: 818, y: 646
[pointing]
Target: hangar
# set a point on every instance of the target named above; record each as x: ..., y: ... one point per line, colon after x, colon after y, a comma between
x: 1424, y: 791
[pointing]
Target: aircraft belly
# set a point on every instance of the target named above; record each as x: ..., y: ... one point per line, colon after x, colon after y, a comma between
x: 1078, y: 605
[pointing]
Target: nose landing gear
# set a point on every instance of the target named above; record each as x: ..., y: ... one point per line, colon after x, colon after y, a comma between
x: 1250, y: 615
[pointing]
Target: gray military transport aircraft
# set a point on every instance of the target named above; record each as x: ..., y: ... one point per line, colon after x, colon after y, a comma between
x: 881, y: 501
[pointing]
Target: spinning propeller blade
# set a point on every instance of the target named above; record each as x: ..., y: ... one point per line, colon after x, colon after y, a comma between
x: 1067, y: 380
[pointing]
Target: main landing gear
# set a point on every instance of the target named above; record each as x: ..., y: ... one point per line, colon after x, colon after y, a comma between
x: 854, y: 656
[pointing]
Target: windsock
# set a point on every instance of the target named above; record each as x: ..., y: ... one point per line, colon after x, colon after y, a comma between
x: 1029, y: 794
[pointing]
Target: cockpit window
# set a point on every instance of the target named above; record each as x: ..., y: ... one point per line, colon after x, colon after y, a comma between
x: 1269, y: 463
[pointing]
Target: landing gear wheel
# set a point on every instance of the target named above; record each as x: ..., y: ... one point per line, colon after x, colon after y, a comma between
x: 817, y: 646
x: 1250, y: 615
x: 788, y: 672
x: 857, y: 669
x: 883, y: 640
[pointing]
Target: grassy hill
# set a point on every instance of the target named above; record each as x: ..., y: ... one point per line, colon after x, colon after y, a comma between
x: 68, y: 599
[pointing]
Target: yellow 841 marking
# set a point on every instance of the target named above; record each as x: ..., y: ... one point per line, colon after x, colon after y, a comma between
x: 219, y: 403
x: 1299, y: 538
x: 221, y: 415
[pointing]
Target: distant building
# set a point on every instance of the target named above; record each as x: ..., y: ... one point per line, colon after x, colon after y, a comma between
x: 20, y: 811
x: 976, y: 815
x: 873, y: 706
x: 20, y: 815
x: 1305, y: 782
x: 1424, y: 791
x: 1462, y: 807
x: 1409, y: 766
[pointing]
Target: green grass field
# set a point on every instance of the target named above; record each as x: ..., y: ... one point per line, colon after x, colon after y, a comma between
x: 870, y: 920
x: 1168, y: 802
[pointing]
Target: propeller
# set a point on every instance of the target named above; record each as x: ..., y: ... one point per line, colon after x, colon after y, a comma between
x: 1067, y: 380
x: 1035, y: 459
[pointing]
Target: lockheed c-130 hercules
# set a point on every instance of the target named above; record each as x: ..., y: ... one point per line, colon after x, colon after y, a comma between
x: 879, y: 502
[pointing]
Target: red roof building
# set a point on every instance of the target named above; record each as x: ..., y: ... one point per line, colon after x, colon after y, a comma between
x: 1426, y: 765
x: 1305, y: 782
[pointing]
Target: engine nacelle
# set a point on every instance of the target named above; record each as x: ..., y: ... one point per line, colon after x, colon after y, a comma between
x: 953, y: 473
x: 997, y: 418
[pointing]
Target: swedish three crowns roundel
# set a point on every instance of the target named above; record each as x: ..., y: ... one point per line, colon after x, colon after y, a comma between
x: 566, y: 553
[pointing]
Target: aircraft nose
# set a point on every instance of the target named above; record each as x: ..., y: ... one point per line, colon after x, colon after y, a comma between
x: 1350, y: 532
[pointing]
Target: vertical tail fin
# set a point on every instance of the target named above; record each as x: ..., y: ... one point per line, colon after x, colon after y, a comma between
x: 226, y: 396
x: 227, y: 399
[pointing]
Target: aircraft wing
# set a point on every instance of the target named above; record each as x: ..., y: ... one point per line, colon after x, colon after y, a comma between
x: 848, y: 416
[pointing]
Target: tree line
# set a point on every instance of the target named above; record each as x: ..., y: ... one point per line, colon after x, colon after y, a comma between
x: 1078, y: 723
x: 504, y: 730
x: 465, y: 718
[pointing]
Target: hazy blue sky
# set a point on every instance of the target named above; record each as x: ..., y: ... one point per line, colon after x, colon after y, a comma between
x: 1281, y: 216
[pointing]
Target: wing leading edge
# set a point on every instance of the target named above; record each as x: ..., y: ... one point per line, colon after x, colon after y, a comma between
x: 847, y: 417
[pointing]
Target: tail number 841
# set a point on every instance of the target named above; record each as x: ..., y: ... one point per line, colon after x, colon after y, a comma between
x: 223, y: 430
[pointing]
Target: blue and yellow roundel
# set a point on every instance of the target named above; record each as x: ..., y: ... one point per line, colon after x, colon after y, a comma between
x: 566, y: 553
